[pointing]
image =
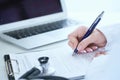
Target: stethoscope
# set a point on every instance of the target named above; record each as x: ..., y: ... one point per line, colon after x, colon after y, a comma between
x: 34, y: 73
x: 46, y: 78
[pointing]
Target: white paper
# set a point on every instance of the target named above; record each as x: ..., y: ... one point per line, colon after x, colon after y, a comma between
x: 60, y: 59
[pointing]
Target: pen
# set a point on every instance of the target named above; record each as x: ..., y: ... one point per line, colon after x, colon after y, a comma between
x: 90, y: 30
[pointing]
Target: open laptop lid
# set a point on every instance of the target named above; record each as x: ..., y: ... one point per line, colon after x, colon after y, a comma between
x: 35, y: 12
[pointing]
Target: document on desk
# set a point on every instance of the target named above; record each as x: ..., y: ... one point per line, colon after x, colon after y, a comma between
x: 60, y: 59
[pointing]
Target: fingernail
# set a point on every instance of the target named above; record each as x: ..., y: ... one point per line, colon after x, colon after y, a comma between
x: 91, y: 50
x: 83, y: 51
x: 95, y: 47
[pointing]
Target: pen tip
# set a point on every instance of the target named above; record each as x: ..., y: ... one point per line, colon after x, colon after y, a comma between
x: 102, y: 12
x: 73, y: 53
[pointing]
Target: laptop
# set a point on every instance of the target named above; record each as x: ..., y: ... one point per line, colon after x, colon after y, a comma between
x: 33, y: 23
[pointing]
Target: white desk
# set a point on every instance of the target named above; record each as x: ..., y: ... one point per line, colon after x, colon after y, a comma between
x: 103, y: 68
x: 109, y: 71
x: 106, y: 67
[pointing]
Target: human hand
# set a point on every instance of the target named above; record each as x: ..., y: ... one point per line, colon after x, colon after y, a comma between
x: 93, y: 42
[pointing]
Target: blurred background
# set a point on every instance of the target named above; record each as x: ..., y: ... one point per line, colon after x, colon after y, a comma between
x: 87, y: 10
x: 93, y: 5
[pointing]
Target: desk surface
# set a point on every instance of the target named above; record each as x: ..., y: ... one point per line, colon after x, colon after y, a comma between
x: 106, y: 67
x: 102, y: 68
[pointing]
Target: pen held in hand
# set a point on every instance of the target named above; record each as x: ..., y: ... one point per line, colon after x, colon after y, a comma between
x: 90, y: 30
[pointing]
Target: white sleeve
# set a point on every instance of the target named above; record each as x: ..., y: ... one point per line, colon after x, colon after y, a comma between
x: 111, y: 33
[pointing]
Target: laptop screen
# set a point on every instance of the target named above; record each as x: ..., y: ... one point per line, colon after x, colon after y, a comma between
x: 17, y: 10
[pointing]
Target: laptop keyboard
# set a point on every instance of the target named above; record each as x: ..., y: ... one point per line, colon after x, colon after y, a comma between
x: 27, y: 32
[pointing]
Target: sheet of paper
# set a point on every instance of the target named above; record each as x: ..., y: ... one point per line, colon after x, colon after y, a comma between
x: 60, y: 59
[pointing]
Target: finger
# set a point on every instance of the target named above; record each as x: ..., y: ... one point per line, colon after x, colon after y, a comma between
x: 103, y: 52
x: 97, y: 54
x: 79, y: 32
x: 93, y: 47
x: 84, y: 43
x: 88, y: 50
x: 73, y: 41
x: 71, y: 44
x: 83, y: 51
x: 100, y: 53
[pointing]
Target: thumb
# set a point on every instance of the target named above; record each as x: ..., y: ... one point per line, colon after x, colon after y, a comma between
x: 84, y: 43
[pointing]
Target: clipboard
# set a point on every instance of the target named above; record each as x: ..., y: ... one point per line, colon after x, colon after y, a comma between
x: 9, y: 68
x: 66, y: 65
